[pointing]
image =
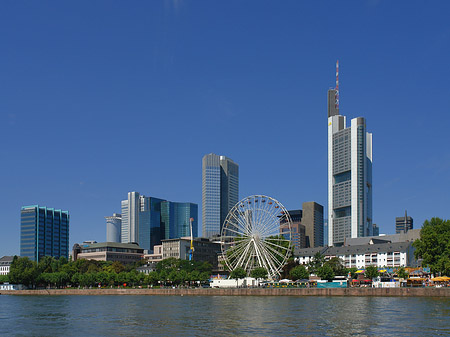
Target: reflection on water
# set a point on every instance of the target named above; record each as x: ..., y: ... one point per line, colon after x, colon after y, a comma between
x: 223, y: 316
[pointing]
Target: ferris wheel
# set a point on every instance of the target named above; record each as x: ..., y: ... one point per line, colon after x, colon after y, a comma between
x: 257, y: 233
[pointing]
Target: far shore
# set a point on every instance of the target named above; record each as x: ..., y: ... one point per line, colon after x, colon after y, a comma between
x: 397, y: 292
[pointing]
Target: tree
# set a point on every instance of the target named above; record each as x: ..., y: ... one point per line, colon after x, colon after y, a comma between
x: 4, y: 279
x: 402, y: 273
x: 338, y: 267
x: 325, y: 272
x: 259, y: 273
x: 299, y: 273
x: 23, y: 271
x: 434, y: 245
x: 352, y: 271
x: 317, y: 262
x: 371, y: 272
x: 238, y: 273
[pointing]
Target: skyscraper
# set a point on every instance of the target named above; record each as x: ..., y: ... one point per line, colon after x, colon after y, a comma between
x: 403, y: 224
x: 44, y: 232
x: 312, y: 219
x: 141, y: 221
x: 220, y: 191
x: 113, y: 227
x: 175, y: 217
x: 349, y: 175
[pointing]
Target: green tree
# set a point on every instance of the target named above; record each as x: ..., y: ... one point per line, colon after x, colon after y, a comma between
x: 371, y: 272
x: 402, y: 273
x: 4, y: 279
x: 338, y: 267
x: 325, y: 272
x: 23, y: 271
x: 259, y: 273
x: 352, y: 272
x: 316, y: 262
x: 434, y: 245
x: 238, y: 273
x: 299, y: 273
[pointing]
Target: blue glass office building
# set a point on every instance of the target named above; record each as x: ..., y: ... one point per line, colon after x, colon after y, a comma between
x: 44, y: 232
x: 175, y: 219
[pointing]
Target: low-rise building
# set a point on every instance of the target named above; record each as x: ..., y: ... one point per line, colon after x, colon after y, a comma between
x: 397, y: 254
x: 5, y: 264
x: 156, y: 256
x: 204, y: 249
x: 109, y: 251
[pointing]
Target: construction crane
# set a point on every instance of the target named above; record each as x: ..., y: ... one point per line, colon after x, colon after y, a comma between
x: 191, y: 251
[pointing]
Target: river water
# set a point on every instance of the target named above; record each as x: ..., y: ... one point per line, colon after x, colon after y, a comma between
x: 223, y: 316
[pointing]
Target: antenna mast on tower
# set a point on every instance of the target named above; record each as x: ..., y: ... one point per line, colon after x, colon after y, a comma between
x: 336, y: 103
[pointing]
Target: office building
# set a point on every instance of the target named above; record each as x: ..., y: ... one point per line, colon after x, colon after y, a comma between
x: 403, y: 224
x: 220, y: 192
x: 141, y: 221
x: 108, y: 251
x: 204, y: 249
x: 349, y: 175
x: 175, y: 219
x: 298, y: 236
x: 375, y: 230
x: 44, y: 232
x: 312, y: 219
x: 113, y: 227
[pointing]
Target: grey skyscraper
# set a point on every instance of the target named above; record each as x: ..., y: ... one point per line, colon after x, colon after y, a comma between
x: 113, y: 227
x: 220, y: 191
x: 349, y: 176
x: 403, y: 224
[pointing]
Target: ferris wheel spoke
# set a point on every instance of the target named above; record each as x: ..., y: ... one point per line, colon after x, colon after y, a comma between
x: 240, y: 223
x: 274, y: 244
x: 273, y: 260
x: 266, y: 223
x: 268, y: 263
x: 234, y: 231
x: 237, y: 249
x: 270, y: 225
x: 244, y: 254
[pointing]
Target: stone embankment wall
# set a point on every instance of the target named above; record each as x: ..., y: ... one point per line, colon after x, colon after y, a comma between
x: 421, y: 292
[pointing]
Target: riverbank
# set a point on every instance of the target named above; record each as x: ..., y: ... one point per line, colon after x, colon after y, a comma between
x: 398, y: 292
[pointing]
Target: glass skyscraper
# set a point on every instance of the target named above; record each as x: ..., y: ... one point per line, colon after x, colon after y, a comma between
x: 141, y: 221
x: 349, y: 176
x: 44, y: 232
x: 220, y: 192
x: 175, y: 219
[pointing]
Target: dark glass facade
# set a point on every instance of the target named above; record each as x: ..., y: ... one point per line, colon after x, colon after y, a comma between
x: 44, y: 232
x: 175, y: 219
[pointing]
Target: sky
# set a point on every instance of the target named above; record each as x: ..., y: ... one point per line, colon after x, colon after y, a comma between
x: 99, y: 98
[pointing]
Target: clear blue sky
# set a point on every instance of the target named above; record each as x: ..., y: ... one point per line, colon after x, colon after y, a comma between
x: 99, y: 98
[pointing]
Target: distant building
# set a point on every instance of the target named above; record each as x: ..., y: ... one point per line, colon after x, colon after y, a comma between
x: 220, y: 192
x: 204, y: 249
x: 298, y: 236
x: 307, y: 226
x: 403, y: 224
x: 113, y: 227
x: 325, y: 232
x: 376, y: 230
x: 44, y: 232
x: 312, y: 219
x: 175, y: 218
x: 398, y: 254
x: 349, y: 175
x: 410, y: 236
x: 5, y: 264
x: 108, y: 251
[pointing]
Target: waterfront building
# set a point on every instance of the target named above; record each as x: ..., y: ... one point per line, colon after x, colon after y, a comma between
x: 141, y: 221
x: 312, y: 219
x: 387, y: 254
x: 44, y: 232
x: 5, y: 264
x: 204, y: 249
x: 113, y: 227
x: 349, y: 175
x: 108, y: 251
x: 156, y: 256
x: 403, y: 224
x: 220, y: 192
x: 175, y: 219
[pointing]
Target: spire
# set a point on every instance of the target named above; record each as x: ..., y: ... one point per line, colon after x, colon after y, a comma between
x: 337, y: 86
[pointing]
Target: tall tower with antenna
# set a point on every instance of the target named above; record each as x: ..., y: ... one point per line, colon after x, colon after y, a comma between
x: 349, y: 174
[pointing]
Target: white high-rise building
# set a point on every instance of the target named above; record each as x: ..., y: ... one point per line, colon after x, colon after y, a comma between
x: 113, y: 227
x: 349, y: 176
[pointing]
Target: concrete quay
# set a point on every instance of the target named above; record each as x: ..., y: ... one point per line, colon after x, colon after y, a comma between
x: 390, y: 292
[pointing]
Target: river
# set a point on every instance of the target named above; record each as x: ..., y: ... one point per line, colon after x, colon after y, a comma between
x: 223, y: 316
